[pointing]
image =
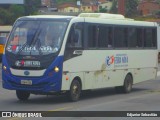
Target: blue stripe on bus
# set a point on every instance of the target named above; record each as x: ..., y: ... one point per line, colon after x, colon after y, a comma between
x: 50, y: 81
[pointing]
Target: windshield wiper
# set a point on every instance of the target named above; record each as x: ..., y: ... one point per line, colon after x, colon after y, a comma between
x: 33, y: 43
x: 39, y: 47
x: 33, y: 39
x: 20, y: 50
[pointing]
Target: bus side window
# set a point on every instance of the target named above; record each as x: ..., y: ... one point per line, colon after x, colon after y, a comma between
x: 102, y: 37
x: 105, y: 37
x: 154, y: 38
x: 110, y: 38
x: 75, y: 36
x: 93, y: 32
x: 139, y: 37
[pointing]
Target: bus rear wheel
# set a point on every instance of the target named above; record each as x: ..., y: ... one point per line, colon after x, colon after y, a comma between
x: 127, y: 86
x: 128, y: 82
x: 22, y: 95
x: 75, y: 91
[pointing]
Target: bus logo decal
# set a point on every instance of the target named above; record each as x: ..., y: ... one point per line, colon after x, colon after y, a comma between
x: 118, y: 60
x: 110, y: 60
x: 26, y: 73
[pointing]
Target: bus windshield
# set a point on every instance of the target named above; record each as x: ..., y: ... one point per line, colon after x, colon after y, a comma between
x: 31, y: 37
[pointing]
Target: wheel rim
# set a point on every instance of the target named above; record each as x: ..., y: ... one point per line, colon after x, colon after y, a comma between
x: 75, y: 90
x: 128, y: 84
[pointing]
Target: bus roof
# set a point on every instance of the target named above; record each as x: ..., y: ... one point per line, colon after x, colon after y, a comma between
x: 107, y: 18
x: 104, y: 16
x: 46, y: 17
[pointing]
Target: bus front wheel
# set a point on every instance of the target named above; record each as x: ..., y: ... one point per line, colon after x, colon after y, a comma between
x: 75, y: 91
x: 22, y: 95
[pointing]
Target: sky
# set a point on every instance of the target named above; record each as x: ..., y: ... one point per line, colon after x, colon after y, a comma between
x: 11, y: 1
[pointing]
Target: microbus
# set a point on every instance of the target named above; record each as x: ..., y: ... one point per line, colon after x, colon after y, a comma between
x: 51, y: 54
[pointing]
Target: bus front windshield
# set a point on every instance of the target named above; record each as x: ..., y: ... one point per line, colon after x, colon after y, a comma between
x: 36, y: 37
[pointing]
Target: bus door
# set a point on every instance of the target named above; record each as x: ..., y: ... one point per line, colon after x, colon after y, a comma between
x: 73, y: 52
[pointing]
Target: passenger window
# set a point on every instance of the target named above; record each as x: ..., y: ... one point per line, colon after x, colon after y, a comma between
x: 105, y: 37
x: 139, y: 32
x: 120, y: 40
x: 148, y: 37
x: 93, y: 32
x: 132, y: 38
x: 154, y: 38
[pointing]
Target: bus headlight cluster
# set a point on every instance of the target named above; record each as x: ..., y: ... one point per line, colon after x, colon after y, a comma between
x: 4, y: 68
x: 56, y: 69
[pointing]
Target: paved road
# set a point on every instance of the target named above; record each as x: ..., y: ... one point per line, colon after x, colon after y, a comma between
x: 145, y: 96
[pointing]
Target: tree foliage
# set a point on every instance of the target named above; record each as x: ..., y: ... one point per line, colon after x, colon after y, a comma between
x: 103, y: 10
x: 114, y: 7
x: 131, y: 8
x: 5, y: 17
x: 63, y: 1
x: 16, y: 12
x: 31, y: 6
x: 9, y: 13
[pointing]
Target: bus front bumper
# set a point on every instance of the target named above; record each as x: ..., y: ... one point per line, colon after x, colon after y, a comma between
x: 40, y: 85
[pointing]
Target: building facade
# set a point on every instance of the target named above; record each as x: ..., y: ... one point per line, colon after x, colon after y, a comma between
x: 68, y: 7
x: 148, y: 7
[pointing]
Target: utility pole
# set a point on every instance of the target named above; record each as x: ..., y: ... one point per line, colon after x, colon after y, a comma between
x: 121, y: 7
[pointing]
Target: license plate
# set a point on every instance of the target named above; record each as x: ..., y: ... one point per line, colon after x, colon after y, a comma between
x: 26, y: 82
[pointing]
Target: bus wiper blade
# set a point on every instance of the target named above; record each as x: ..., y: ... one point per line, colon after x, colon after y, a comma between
x: 39, y: 46
x: 20, y: 50
x: 33, y: 39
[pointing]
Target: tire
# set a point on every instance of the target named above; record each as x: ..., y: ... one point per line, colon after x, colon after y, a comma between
x: 128, y: 82
x: 127, y: 86
x: 75, y: 91
x: 22, y: 95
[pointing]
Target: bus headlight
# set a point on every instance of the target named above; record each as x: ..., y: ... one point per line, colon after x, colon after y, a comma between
x: 4, y: 68
x: 56, y: 69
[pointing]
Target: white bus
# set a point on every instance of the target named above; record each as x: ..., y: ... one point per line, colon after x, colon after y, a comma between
x: 91, y: 51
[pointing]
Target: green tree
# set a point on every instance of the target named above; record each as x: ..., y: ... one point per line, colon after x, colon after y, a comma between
x: 131, y: 8
x: 5, y: 17
x: 114, y: 7
x: 16, y: 12
x: 103, y: 10
x: 158, y: 1
x: 63, y: 1
x: 31, y: 6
